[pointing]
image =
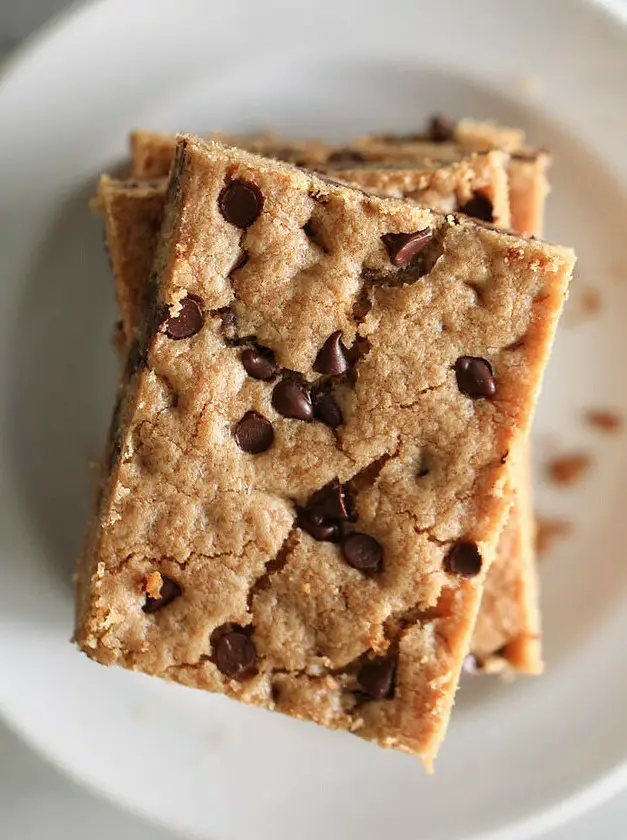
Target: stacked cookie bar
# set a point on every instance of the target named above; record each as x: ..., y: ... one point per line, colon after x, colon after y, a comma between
x: 316, y: 468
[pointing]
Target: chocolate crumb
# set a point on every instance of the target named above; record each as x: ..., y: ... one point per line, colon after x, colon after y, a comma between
x: 568, y: 469
x: 590, y: 301
x: 548, y: 531
x: 585, y: 303
x: 604, y: 420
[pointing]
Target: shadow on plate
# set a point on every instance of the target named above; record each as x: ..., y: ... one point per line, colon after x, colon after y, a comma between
x: 65, y: 378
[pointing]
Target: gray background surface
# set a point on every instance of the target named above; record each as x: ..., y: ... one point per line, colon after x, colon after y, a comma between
x: 36, y: 802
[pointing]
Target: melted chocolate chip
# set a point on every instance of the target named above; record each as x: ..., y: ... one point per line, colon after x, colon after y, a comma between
x: 259, y: 362
x: 331, y: 359
x: 234, y: 652
x: 332, y: 502
x: 319, y: 528
x: 463, y: 560
x: 325, y: 511
x: 188, y: 322
x: 479, y: 207
x: 253, y: 433
x: 240, y: 203
x: 376, y: 678
x: 475, y: 377
x: 327, y: 410
x: 170, y: 590
x: 292, y: 399
x: 362, y: 552
x: 403, y: 247
x: 441, y: 128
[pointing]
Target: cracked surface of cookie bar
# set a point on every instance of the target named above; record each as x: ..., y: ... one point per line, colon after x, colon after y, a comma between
x: 332, y: 571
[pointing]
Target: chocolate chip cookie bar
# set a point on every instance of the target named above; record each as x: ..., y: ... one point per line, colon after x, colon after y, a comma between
x: 308, y: 470
x: 473, y: 183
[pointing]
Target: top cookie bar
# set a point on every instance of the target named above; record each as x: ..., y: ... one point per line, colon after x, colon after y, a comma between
x: 308, y: 469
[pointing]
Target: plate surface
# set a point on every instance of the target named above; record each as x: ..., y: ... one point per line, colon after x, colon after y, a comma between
x: 518, y: 759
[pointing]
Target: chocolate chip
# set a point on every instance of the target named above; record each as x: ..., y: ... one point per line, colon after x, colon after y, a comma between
x: 240, y: 203
x: 332, y: 502
x: 234, y: 652
x: 325, y: 511
x: 240, y: 262
x: 403, y: 247
x: 441, y: 129
x: 188, y: 322
x: 327, y: 410
x: 479, y: 207
x: 259, y: 362
x: 345, y: 158
x: 475, y: 377
x: 169, y: 591
x: 362, y: 552
x: 376, y: 678
x: 331, y: 358
x: 253, y: 433
x: 319, y: 528
x: 463, y: 560
x: 292, y: 399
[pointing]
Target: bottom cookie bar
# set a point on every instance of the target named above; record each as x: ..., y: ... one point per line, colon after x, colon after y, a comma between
x: 507, y: 632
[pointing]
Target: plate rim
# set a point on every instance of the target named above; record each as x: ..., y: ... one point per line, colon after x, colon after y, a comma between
x: 563, y: 811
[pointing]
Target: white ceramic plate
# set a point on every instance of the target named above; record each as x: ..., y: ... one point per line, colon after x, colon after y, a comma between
x: 518, y: 759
